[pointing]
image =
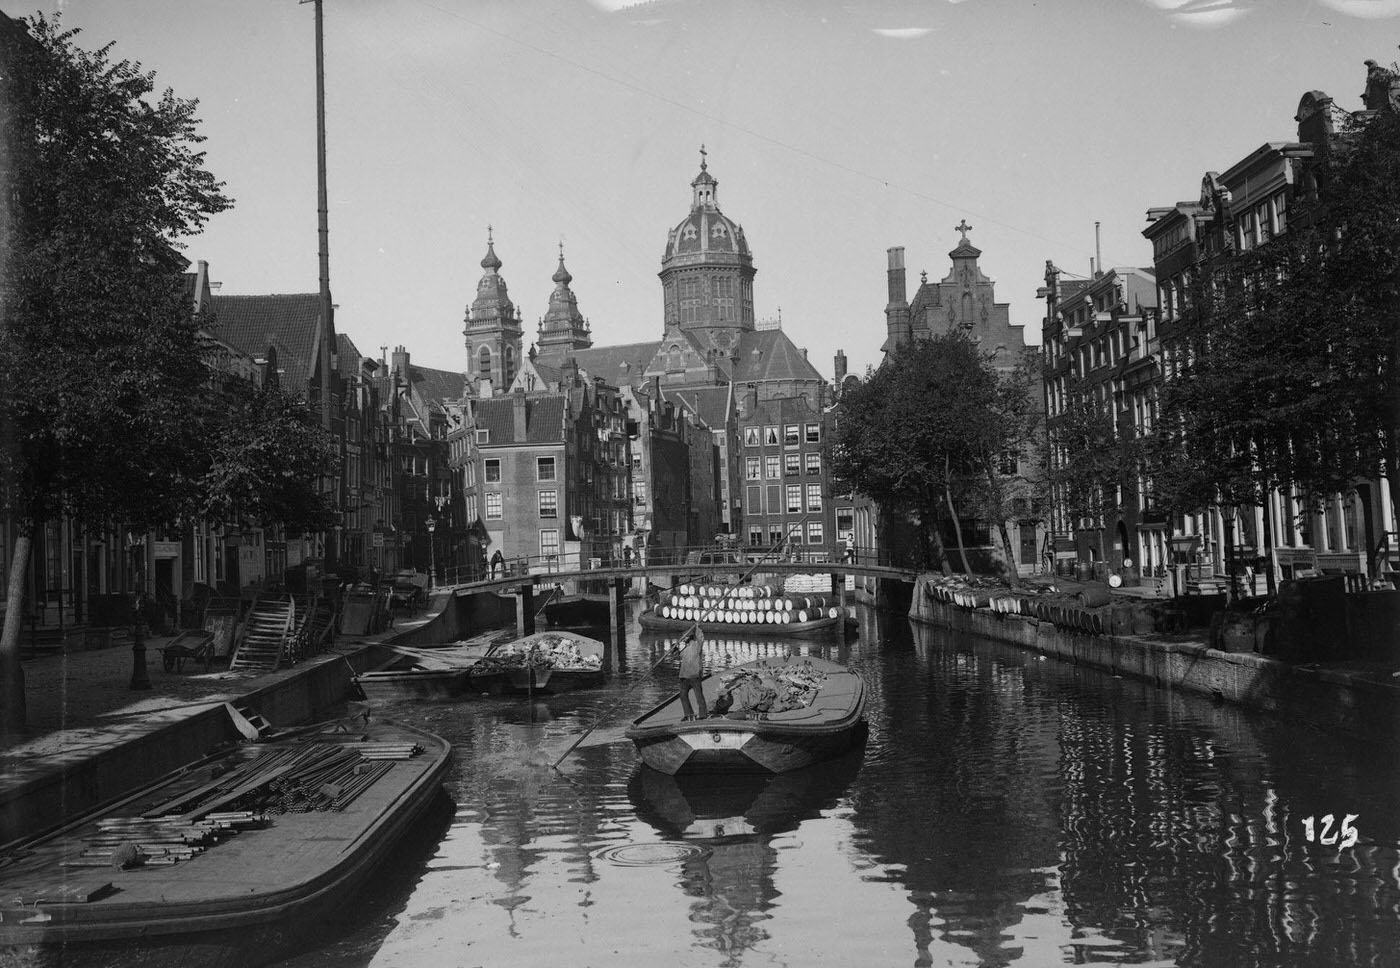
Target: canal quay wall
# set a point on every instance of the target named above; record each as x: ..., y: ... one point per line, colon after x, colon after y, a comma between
x: 1331, y: 698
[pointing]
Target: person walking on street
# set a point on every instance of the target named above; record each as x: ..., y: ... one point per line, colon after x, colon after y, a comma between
x: 692, y: 670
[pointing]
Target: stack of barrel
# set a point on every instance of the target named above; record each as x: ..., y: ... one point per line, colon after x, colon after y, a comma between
x: 1079, y: 611
x: 744, y: 605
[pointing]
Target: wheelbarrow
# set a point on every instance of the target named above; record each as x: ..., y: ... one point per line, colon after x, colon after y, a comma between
x: 196, y: 644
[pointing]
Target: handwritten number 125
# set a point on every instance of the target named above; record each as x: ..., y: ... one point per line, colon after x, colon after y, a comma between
x: 1346, y: 837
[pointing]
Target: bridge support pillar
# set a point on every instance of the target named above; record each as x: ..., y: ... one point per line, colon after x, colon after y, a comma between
x: 617, y: 620
x: 525, y: 610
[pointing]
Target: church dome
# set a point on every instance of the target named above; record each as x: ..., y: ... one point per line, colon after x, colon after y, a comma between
x: 706, y: 234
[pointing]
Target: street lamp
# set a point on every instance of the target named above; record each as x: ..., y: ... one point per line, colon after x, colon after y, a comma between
x: 432, y: 525
x: 139, y: 677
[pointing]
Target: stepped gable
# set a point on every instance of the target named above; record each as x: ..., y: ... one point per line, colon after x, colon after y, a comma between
x: 288, y: 321
x: 544, y: 418
x: 768, y: 356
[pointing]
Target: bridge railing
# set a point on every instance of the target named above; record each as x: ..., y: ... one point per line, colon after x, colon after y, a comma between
x: 701, y: 559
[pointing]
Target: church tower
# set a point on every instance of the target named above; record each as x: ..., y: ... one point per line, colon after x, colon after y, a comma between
x: 563, y: 328
x: 707, y: 271
x: 493, y: 329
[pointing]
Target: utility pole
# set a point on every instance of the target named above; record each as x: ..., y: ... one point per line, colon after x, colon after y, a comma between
x: 323, y: 231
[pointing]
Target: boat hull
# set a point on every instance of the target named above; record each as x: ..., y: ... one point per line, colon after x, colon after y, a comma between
x: 537, y: 680
x: 822, y: 626
x: 578, y: 611
x: 244, y: 901
x: 413, y: 684
x: 738, y: 742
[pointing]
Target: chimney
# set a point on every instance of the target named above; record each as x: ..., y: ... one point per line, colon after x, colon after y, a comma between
x: 401, y: 364
x: 750, y: 399
x: 517, y: 401
x: 897, y: 309
x: 840, y: 367
x: 1098, y: 256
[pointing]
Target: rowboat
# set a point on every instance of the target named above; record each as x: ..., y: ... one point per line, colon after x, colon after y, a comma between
x: 230, y: 861
x: 744, y: 609
x: 700, y: 807
x: 542, y: 662
x: 824, y: 722
x: 414, y: 673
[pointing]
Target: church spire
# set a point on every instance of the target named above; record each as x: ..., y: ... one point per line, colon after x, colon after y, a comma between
x: 705, y: 187
x: 563, y: 327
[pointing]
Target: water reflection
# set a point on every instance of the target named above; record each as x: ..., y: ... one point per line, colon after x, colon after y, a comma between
x: 733, y: 884
x: 1006, y: 810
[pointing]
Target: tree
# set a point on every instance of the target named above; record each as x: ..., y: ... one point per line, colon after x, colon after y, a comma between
x: 100, y: 352
x: 930, y: 431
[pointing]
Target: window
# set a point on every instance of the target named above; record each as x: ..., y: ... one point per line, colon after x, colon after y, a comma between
x: 549, y: 504
x: 751, y: 437
x: 814, y: 433
x: 775, y: 533
x: 483, y: 436
x: 773, y: 465
x: 493, y: 505
x: 755, y: 495
x: 639, y: 492
x: 755, y: 536
x: 814, y: 533
x: 792, y: 465
x: 791, y: 435
x: 814, y: 463
x: 544, y: 468
x: 493, y: 470
x: 775, y: 498
x: 770, y: 436
x: 814, y: 497
x: 484, y: 362
x: 753, y: 469
x: 845, y: 523
x: 795, y: 534
x: 794, y: 499
x: 549, y: 542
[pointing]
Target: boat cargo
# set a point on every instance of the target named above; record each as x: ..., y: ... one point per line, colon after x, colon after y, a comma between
x: 542, y: 662
x: 768, y: 716
x: 750, y: 609
x: 227, y: 862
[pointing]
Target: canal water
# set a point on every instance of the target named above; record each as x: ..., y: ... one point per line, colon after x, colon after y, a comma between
x: 1005, y: 810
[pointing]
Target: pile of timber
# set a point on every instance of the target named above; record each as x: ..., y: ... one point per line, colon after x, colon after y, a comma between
x: 155, y: 841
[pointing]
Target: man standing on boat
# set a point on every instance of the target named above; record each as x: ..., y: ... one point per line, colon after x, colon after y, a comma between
x: 691, y: 672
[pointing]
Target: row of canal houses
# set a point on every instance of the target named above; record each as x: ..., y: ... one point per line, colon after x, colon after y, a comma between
x: 1109, y: 339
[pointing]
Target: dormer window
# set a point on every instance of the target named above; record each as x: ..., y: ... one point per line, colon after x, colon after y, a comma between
x: 718, y: 231
x: 689, y: 233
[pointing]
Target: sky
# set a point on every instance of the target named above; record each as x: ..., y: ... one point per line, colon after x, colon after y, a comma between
x: 835, y: 130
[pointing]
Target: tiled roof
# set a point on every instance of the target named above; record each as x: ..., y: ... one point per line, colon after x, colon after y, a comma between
x: 287, y: 321
x: 711, y: 404
x: 607, y: 362
x: 435, y: 386
x: 769, y: 355
x: 544, y: 418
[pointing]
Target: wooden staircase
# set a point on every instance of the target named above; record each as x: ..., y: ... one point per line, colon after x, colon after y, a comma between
x: 264, y: 636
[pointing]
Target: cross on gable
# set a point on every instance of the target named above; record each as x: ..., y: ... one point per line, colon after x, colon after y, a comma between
x: 964, y: 228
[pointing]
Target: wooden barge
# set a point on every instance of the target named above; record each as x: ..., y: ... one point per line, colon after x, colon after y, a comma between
x: 230, y: 862
x: 422, y: 673
x: 742, y: 741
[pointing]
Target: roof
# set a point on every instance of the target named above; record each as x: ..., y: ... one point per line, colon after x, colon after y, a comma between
x: 435, y: 386
x: 713, y: 405
x: 288, y: 321
x: 769, y: 356
x: 608, y: 362
x: 544, y: 418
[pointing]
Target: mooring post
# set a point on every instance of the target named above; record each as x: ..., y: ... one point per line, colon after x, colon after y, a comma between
x: 617, y: 621
x: 525, y: 610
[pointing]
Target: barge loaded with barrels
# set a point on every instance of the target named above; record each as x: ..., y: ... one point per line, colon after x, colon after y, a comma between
x: 228, y: 861
x: 755, y: 609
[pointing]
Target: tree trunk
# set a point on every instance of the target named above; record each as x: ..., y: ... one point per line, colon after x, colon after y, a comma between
x: 957, y: 528
x: 1269, y: 581
x: 1228, y: 523
x: 933, y: 536
x: 13, y: 713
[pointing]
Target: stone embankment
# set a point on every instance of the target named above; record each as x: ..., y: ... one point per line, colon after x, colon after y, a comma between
x: 1150, y: 641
